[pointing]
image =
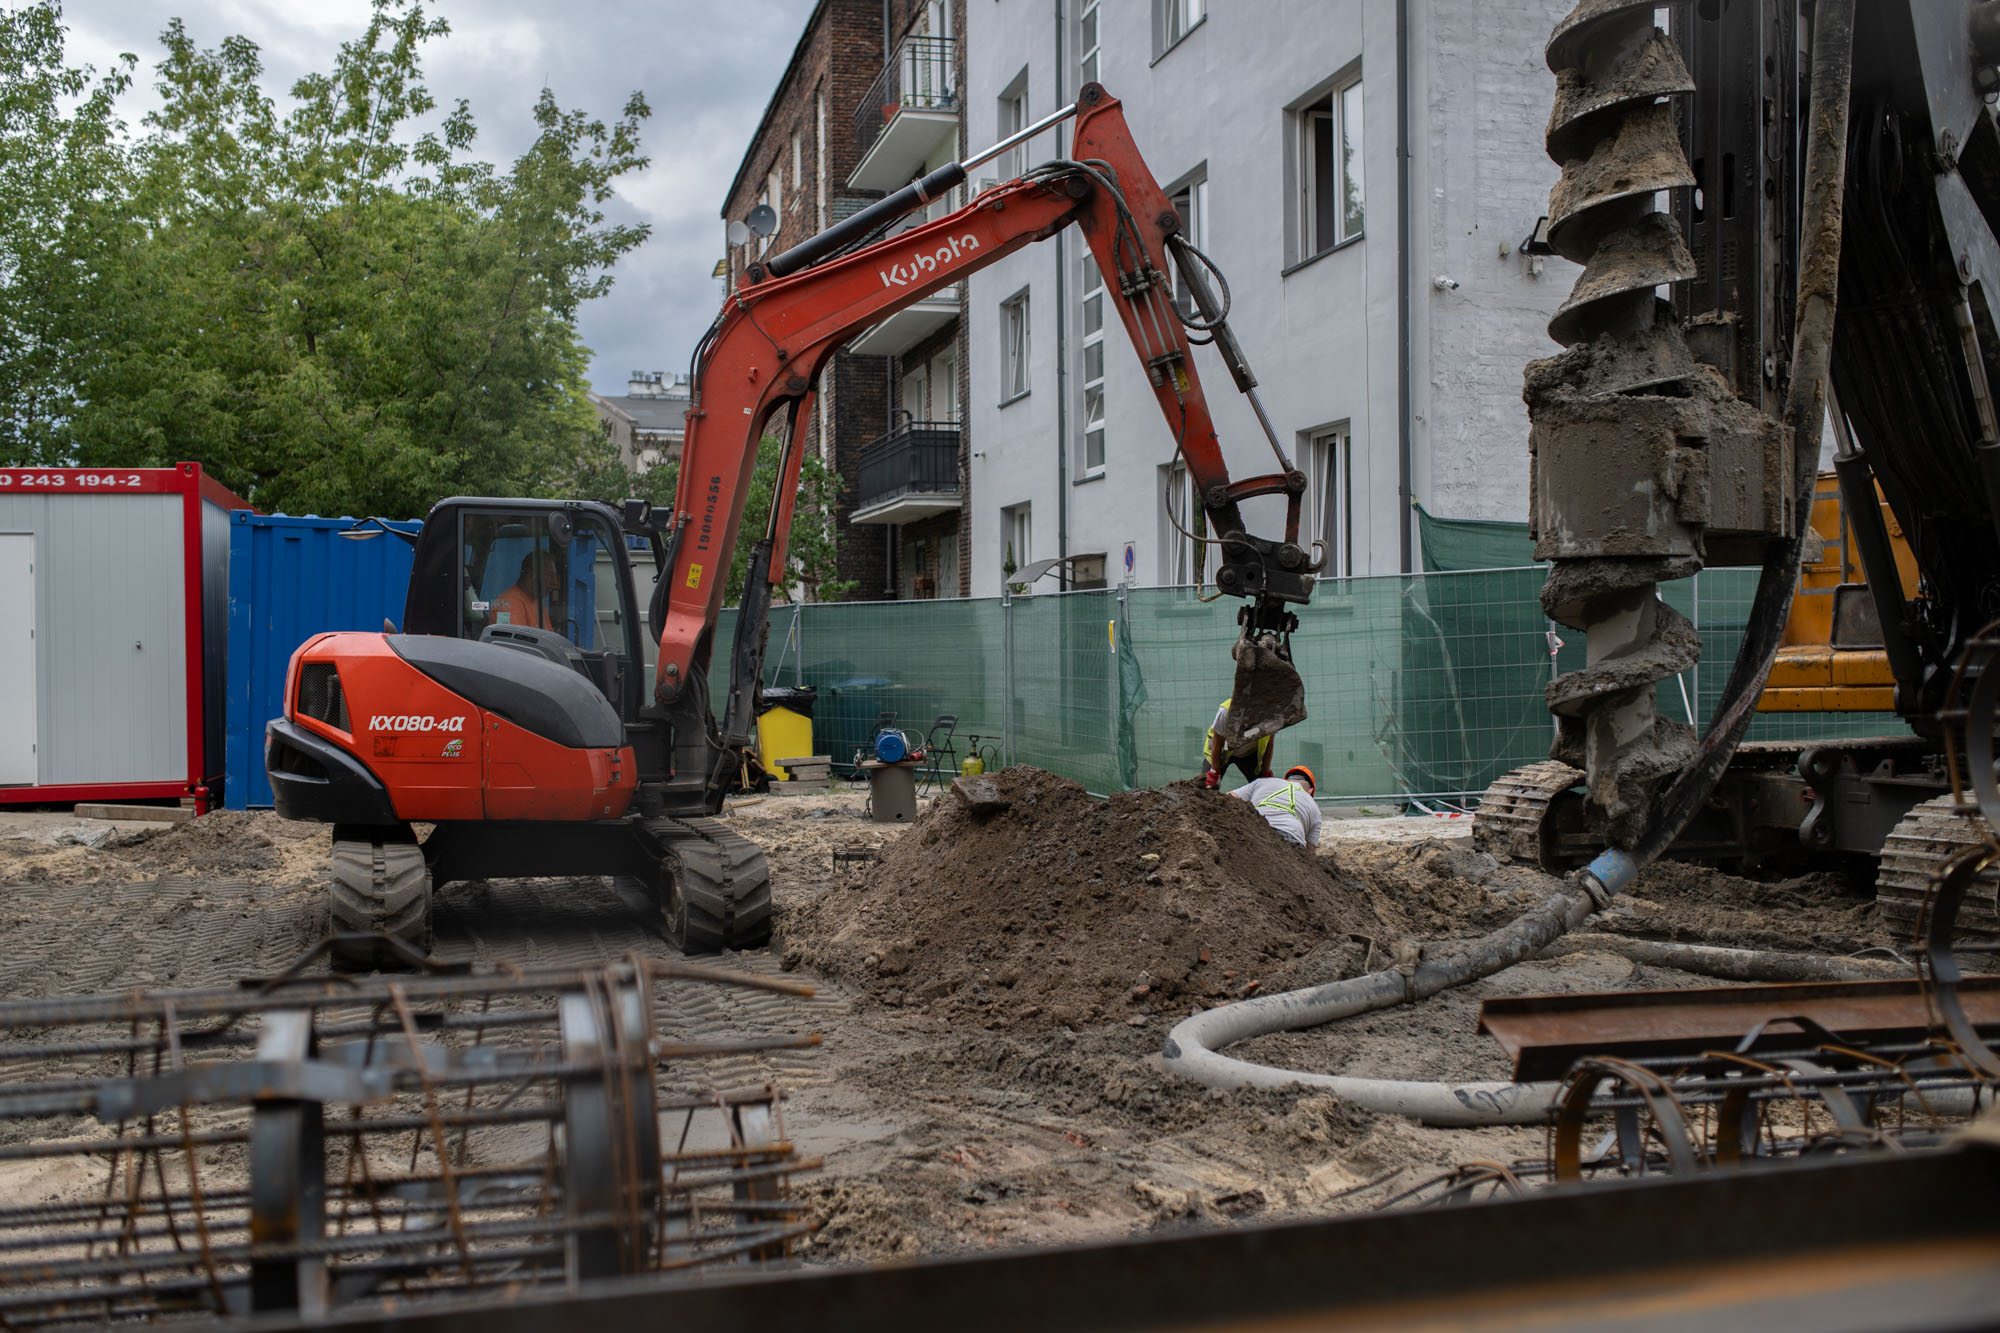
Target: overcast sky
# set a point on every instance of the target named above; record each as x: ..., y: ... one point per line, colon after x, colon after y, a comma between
x: 707, y: 67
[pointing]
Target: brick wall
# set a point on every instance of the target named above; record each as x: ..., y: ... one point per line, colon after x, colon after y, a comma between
x: 842, y: 53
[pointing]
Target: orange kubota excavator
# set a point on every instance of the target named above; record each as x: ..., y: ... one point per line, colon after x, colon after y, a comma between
x: 512, y: 715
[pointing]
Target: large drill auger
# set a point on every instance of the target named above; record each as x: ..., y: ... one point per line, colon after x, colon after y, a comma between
x: 1627, y: 427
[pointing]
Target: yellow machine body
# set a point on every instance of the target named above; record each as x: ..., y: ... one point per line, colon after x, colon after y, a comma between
x: 1810, y: 674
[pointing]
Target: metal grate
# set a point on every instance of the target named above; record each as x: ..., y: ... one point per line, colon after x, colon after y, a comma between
x: 319, y: 695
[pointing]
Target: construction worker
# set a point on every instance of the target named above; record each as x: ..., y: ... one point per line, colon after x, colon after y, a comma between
x: 526, y: 603
x: 1253, y: 761
x: 1287, y: 804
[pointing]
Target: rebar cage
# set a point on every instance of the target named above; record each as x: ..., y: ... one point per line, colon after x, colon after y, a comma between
x: 303, y: 1144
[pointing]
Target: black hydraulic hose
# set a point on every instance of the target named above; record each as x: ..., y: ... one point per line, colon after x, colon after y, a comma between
x: 917, y: 194
x: 1805, y: 406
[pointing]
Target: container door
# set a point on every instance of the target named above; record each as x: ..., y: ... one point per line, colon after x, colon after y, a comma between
x: 17, y: 659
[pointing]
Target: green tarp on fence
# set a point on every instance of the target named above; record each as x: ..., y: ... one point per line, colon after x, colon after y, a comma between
x: 1417, y: 685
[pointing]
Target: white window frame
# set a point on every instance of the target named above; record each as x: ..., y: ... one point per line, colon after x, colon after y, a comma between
x: 1012, y: 118
x: 774, y: 195
x: 1092, y: 303
x: 1189, y: 196
x: 819, y: 157
x: 1016, y: 346
x: 1326, y: 514
x: 1017, y: 536
x: 1329, y: 118
x: 1183, y: 558
x: 1089, y: 42
x: 1173, y: 20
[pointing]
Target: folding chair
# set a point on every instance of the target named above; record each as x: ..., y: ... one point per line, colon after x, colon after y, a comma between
x: 942, y: 756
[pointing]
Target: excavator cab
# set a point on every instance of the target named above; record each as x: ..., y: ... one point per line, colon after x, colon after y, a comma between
x: 545, y: 576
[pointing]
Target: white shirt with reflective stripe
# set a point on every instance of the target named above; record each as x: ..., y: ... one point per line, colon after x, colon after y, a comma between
x: 1286, y: 806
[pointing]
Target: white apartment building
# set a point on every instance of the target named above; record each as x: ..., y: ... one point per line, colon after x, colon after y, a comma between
x: 1277, y: 127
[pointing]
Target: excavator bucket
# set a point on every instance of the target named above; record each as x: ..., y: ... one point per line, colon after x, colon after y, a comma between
x: 1268, y: 696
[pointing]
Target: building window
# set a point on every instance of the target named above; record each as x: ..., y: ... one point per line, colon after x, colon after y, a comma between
x: 1017, y: 538
x: 1183, y: 550
x: 1014, y: 347
x: 1331, y: 197
x: 774, y: 195
x: 1327, y: 511
x: 819, y: 159
x: 1091, y: 353
x: 1190, y: 201
x: 1173, y: 20
x: 1012, y: 120
x: 1087, y: 42
x: 798, y: 165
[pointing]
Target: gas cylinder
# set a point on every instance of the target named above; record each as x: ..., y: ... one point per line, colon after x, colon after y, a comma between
x: 971, y: 766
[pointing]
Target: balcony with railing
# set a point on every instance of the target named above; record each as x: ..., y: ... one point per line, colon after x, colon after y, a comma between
x: 909, y: 474
x: 908, y: 111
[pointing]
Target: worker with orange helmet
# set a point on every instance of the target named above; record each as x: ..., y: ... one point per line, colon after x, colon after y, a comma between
x: 1287, y: 804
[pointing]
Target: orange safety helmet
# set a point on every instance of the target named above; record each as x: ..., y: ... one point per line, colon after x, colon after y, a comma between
x: 1312, y: 783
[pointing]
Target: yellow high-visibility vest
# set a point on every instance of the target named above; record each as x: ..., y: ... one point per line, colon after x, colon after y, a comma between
x: 1262, y: 745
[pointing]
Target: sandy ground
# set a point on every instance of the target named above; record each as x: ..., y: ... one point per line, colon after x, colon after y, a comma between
x: 941, y: 1129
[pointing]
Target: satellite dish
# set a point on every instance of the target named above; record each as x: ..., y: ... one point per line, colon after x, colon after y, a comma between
x: 738, y: 233
x: 762, y: 220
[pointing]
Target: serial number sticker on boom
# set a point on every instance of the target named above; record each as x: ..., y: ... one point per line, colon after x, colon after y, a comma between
x: 59, y: 481
x: 410, y: 722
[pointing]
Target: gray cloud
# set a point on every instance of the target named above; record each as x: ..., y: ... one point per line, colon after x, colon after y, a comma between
x: 706, y: 69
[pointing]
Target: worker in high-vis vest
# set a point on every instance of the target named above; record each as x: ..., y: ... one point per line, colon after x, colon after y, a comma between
x: 1287, y: 804
x: 1253, y: 761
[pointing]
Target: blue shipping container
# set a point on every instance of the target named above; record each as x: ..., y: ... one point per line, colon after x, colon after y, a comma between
x: 289, y: 579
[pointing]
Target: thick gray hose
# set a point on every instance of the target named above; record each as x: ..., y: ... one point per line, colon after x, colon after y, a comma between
x: 1191, y: 1048
x: 1711, y: 960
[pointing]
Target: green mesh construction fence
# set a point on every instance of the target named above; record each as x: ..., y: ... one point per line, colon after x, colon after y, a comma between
x: 1418, y: 685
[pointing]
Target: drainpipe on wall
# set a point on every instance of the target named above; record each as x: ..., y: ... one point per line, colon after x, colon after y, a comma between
x: 1062, y: 355
x: 1405, y: 241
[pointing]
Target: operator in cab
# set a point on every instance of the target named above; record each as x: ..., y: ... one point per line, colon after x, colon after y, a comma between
x: 527, y: 602
x: 1287, y: 805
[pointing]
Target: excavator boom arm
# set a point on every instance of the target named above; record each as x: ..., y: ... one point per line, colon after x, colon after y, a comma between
x: 776, y: 334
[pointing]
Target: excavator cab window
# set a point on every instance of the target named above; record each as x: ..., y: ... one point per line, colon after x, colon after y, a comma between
x: 540, y: 570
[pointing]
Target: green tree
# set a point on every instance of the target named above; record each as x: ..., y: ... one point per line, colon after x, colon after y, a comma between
x: 335, y: 314
x: 812, y: 550
x: 63, y: 180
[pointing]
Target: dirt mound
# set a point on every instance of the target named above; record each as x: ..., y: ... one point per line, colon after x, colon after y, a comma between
x: 225, y: 842
x: 1437, y: 887
x: 1044, y: 907
x: 1816, y: 913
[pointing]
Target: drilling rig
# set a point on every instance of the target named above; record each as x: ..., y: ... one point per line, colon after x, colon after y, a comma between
x: 1817, y: 185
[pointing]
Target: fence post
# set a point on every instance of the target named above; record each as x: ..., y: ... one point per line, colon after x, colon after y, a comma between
x: 1118, y: 690
x: 1006, y: 674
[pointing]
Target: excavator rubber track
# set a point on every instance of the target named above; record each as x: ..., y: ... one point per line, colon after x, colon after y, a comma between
x: 1915, y: 854
x: 714, y: 885
x: 1509, y: 821
x: 380, y: 887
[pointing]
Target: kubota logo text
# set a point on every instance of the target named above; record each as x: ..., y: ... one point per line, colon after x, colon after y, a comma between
x: 902, y: 275
x: 411, y: 722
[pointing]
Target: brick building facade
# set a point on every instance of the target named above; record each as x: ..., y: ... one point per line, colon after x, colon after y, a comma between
x: 870, y: 99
